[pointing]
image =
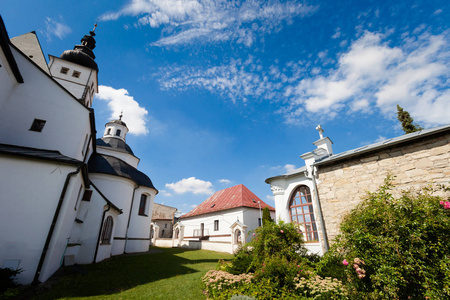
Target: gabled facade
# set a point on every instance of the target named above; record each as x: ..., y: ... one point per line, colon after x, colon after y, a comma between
x: 222, y: 222
x: 66, y: 197
x: 318, y: 195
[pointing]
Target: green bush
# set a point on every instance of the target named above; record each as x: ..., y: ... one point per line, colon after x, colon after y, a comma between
x: 395, y: 248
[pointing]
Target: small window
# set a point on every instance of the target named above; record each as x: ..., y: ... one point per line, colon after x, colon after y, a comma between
x: 87, y: 195
x: 142, y: 205
x: 118, y: 132
x: 37, y: 125
x: 259, y: 222
x: 216, y: 225
x: 107, y: 231
x: 165, y: 225
x: 64, y: 70
x: 76, y: 74
x: 108, y: 132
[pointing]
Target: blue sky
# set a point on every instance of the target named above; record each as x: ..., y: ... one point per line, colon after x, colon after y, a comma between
x: 219, y: 93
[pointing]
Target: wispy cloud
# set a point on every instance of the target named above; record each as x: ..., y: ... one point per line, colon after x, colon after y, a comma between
x: 211, y: 20
x: 118, y: 100
x: 191, y: 185
x: 55, y: 28
x: 370, y: 75
x: 225, y: 181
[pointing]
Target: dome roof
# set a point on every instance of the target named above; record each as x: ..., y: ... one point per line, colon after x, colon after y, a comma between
x: 105, y: 164
x: 114, y: 144
x: 79, y: 58
x: 120, y: 122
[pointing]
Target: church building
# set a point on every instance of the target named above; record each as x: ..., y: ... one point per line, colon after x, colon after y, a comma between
x: 67, y: 197
x: 318, y: 195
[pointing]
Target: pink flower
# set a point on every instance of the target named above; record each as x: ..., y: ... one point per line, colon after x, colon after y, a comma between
x: 441, y: 202
x: 447, y: 205
x: 345, y: 262
x: 254, y: 234
x: 283, y: 231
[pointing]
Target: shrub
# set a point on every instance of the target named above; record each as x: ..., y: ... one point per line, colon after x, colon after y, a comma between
x: 7, y: 284
x: 219, y: 284
x: 396, y: 248
x: 317, y: 287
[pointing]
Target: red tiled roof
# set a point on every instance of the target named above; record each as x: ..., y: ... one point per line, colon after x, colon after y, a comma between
x: 236, y: 196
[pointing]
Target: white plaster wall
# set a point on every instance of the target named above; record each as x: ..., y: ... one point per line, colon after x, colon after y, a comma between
x: 7, y: 79
x: 118, y: 190
x: 139, y: 230
x: 28, y: 202
x: 128, y: 158
x: 105, y: 250
x: 251, y: 216
x: 207, y: 245
x: 63, y: 229
x: 41, y: 98
x: 226, y: 219
x: 282, y: 196
x: 76, y: 86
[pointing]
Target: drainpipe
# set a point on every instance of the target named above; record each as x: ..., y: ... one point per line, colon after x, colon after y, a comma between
x: 316, y: 195
x: 53, y: 225
x: 100, y: 232
x: 129, y: 218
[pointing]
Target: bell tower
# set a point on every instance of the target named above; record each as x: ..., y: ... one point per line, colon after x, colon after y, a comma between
x: 77, y: 70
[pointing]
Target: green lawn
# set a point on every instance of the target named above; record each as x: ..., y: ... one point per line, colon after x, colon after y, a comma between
x: 171, y: 274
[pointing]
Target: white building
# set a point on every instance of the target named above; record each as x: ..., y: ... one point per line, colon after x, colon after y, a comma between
x: 318, y: 195
x: 66, y: 197
x: 222, y: 222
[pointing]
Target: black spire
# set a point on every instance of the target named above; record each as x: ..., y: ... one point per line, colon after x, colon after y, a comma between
x: 83, y: 54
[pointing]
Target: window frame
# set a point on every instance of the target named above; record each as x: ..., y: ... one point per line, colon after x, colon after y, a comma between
x: 143, y: 203
x: 300, y: 202
x: 216, y: 225
x: 106, y: 235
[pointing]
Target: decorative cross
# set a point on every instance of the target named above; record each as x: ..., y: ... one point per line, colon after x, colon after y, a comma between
x: 319, y: 128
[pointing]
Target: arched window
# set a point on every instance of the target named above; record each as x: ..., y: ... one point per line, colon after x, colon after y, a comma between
x: 118, y: 132
x: 301, y: 212
x: 177, y: 233
x: 107, y: 230
x: 237, y: 236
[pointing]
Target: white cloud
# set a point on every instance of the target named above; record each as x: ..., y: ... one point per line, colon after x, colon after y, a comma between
x: 370, y: 76
x: 372, y: 73
x: 225, y: 181
x: 165, y: 193
x: 56, y: 28
x: 211, y: 20
x: 289, y: 168
x: 270, y: 197
x: 191, y: 185
x: 119, y: 100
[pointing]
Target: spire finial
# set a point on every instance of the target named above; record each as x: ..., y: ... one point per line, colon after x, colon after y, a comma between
x: 121, y: 115
x: 319, y: 128
x: 92, y: 32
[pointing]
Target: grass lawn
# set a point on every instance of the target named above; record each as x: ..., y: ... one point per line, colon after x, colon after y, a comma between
x: 172, y: 273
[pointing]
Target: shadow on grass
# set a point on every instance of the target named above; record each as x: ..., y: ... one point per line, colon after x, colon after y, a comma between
x: 125, y: 272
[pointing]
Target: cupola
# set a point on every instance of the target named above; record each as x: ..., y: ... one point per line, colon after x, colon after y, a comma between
x: 116, y: 128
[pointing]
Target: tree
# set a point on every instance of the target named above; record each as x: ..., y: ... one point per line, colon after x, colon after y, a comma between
x: 266, y: 216
x: 407, y: 121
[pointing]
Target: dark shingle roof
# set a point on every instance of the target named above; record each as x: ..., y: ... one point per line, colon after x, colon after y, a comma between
x: 41, y: 154
x: 105, y: 164
x: 115, y: 144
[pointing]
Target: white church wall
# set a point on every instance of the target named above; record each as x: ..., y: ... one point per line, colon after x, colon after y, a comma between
x: 138, y: 237
x: 67, y: 121
x: 7, y: 79
x: 282, y: 194
x: 29, y: 199
x: 105, y: 250
x: 118, y: 190
x: 61, y: 233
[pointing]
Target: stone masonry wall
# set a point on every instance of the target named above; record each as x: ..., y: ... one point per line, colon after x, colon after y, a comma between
x: 342, y: 185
